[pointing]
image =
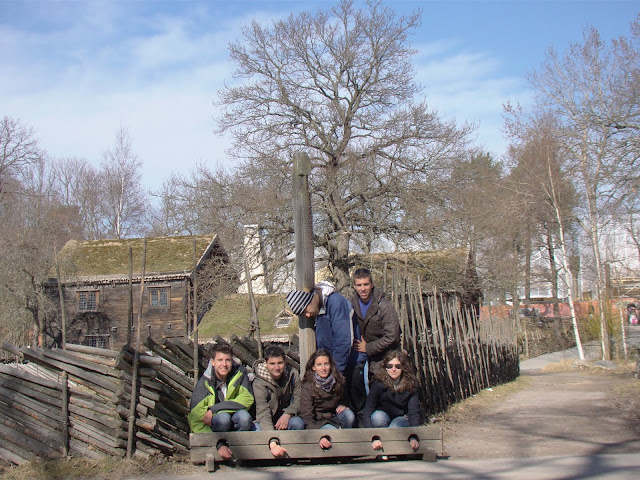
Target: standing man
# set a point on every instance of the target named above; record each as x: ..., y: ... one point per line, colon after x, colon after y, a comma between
x: 277, y: 392
x: 336, y: 329
x: 222, y: 398
x: 377, y: 319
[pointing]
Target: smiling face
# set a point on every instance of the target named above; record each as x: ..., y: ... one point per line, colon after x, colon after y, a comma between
x: 395, y: 372
x: 364, y: 288
x: 322, y: 366
x: 275, y: 366
x: 222, y: 363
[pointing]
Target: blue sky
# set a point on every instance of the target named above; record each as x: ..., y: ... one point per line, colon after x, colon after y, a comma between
x: 76, y: 71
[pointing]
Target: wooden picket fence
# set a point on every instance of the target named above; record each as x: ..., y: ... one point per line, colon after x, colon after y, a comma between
x: 455, y: 354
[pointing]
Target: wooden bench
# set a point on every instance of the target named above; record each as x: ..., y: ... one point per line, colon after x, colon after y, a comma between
x: 303, y: 444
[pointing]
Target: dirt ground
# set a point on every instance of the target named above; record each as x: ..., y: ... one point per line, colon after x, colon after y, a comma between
x: 571, y: 408
x: 567, y: 408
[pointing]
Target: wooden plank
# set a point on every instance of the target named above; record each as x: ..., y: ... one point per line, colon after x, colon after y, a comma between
x: 102, y: 352
x: 62, y: 356
x: 12, y: 457
x: 312, y: 436
x: 30, y: 428
x: 78, y: 448
x: 353, y: 450
x: 304, y: 443
x: 30, y: 407
x: 93, y: 378
x: 35, y: 392
x: 15, y: 437
x: 29, y: 377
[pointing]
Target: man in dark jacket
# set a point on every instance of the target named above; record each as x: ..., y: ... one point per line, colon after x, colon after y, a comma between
x: 377, y: 319
x: 336, y: 329
x: 277, y: 392
x: 222, y: 398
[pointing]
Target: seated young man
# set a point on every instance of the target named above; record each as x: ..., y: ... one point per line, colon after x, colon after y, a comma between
x: 276, y: 389
x: 222, y: 398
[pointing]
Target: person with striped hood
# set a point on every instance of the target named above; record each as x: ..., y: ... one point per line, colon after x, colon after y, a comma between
x: 336, y: 330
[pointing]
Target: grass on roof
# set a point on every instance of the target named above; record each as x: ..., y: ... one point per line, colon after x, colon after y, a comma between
x: 109, y: 257
x: 232, y: 315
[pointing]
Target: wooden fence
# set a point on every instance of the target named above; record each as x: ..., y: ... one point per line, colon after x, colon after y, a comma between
x: 78, y: 401
x: 456, y: 355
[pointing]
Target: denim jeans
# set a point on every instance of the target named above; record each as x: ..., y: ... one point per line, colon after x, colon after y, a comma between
x: 240, y: 420
x: 381, y: 419
x: 295, y: 423
x: 346, y: 418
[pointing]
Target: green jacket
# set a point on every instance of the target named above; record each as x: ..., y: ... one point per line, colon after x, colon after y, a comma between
x: 239, y: 396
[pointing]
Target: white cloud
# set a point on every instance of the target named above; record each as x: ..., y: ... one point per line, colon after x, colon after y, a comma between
x: 470, y: 86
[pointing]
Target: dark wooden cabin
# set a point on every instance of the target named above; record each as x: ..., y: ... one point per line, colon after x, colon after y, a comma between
x: 95, y: 283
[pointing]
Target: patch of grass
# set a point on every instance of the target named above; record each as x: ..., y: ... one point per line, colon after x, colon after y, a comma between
x: 626, y: 397
x: 231, y: 315
x: 622, y: 367
x: 470, y: 408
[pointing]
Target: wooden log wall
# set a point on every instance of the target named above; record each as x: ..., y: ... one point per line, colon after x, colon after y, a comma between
x: 34, y: 420
x: 93, y: 422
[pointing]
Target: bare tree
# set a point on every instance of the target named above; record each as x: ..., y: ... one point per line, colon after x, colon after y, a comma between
x: 124, y: 203
x: 34, y: 225
x: 339, y: 85
x: 79, y: 185
x: 18, y: 150
x: 540, y: 177
x: 592, y: 90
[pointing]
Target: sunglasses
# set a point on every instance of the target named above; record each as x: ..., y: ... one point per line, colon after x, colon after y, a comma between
x: 389, y: 366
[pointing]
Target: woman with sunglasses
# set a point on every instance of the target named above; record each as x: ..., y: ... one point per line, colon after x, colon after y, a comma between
x: 393, y: 398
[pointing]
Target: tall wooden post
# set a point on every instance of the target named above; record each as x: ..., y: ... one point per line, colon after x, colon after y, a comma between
x: 63, y: 311
x: 196, y: 365
x: 136, y: 361
x: 130, y: 298
x: 304, y: 248
x: 65, y: 414
x: 255, y: 323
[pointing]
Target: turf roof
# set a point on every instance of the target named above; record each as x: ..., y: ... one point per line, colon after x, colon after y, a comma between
x: 110, y: 258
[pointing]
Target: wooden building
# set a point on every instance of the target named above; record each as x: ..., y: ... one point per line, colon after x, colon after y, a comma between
x: 97, y: 290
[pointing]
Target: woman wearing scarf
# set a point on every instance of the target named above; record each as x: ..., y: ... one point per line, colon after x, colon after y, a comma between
x: 321, y: 400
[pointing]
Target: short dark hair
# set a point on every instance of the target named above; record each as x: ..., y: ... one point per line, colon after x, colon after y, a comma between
x: 362, y: 273
x: 222, y: 348
x: 272, y: 351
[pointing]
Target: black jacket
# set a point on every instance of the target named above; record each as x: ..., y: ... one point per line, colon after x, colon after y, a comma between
x: 393, y: 403
x: 380, y: 327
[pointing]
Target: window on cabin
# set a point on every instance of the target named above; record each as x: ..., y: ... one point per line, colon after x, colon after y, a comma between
x: 88, y: 301
x: 159, y: 297
x: 97, y: 341
x: 283, y: 322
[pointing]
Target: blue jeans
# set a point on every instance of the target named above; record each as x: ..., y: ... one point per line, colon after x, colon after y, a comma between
x: 240, y: 420
x: 295, y: 423
x: 381, y: 419
x: 346, y: 418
